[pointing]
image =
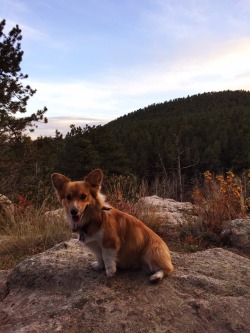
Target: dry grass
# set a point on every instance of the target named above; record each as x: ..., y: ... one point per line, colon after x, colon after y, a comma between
x: 29, y: 233
x: 123, y: 193
x: 219, y: 199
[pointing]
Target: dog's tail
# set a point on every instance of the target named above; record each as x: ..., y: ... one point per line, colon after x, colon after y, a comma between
x: 159, y: 261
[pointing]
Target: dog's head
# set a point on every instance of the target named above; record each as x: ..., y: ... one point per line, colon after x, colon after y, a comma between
x: 78, y: 196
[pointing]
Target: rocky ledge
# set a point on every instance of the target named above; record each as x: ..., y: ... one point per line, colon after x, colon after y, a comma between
x: 57, y: 291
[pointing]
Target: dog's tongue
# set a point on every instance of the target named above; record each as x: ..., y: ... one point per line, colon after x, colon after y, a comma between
x: 76, y: 218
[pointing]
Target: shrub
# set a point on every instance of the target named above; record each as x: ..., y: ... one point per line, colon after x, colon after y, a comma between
x: 219, y: 199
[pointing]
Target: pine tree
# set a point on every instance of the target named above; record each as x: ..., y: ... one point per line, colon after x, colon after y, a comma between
x: 13, y: 94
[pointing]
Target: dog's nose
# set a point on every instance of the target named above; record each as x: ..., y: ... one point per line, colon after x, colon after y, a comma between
x: 74, y: 211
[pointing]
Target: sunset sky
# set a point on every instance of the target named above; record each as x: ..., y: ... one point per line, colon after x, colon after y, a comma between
x: 93, y: 61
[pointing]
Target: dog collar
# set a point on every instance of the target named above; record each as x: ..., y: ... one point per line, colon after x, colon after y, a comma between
x: 84, y: 229
x: 106, y: 208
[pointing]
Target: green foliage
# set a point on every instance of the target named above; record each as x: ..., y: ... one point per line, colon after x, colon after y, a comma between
x: 212, y: 131
x: 169, y: 144
x: 77, y: 155
x: 18, y: 162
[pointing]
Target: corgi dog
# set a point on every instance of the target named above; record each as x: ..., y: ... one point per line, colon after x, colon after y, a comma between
x: 116, y: 238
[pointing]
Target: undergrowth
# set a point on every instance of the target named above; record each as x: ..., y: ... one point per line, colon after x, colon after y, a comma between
x: 123, y: 193
x: 29, y: 233
x: 217, y: 200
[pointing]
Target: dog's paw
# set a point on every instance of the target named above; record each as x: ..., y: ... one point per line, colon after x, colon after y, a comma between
x: 97, y: 266
x: 110, y: 271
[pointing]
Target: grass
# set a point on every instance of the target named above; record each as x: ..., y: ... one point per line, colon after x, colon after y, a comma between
x: 29, y: 233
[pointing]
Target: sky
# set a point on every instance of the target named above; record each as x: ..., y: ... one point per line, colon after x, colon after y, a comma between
x: 93, y: 61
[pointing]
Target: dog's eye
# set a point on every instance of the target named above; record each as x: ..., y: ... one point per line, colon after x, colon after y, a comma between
x: 83, y: 196
x: 68, y: 197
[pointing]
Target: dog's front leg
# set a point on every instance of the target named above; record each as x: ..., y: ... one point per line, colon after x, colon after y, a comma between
x: 96, y: 249
x: 109, y: 257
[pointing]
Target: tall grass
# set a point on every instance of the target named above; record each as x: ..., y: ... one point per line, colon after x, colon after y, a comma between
x: 123, y: 193
x: 29, y: 233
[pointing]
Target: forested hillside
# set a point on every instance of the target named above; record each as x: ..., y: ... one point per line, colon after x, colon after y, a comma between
x: 171, y: 142
x: 206, y: 131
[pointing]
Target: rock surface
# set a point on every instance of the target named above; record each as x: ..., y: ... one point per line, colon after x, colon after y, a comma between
x: 237, y: 233
x: 173, y: 213
x: 176, y: 216
x: 7, y: 209
x: 55, y: 215
x: 57, y: 291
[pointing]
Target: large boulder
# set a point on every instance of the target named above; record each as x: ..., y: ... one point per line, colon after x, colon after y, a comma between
x: 58, y: 291
x: 171, y: 212
x: 236, y: 233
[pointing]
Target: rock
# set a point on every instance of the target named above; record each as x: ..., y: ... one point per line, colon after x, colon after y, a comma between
x: 173, y: 213
x: 55, y: 215
x: 237, y: 233
x: 58, y: 291
x: 7, y: 209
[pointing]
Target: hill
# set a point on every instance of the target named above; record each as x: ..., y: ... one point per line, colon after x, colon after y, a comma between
x: 178, y: 139
x: 170, y: 144
x: 209, y: 131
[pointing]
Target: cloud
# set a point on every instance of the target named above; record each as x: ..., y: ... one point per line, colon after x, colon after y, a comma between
x: 63, y: 125
x: 74, y: 97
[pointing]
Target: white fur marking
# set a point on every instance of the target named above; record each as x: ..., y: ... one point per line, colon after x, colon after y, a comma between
x: 97, y: 265
x: 109, y: 258
x: 157, y: 276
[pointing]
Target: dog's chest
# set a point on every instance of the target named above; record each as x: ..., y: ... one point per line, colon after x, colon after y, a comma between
x: 94, y: 238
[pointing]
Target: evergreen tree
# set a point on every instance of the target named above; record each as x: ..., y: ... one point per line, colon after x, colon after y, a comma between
x: 13, y: 94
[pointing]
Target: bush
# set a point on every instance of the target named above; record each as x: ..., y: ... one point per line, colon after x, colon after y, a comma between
x: 219, y: 199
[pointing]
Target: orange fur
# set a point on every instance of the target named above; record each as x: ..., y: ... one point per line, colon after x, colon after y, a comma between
x: 117, y: 238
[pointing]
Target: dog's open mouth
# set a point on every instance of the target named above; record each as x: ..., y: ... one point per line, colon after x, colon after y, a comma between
x: 76, y: 218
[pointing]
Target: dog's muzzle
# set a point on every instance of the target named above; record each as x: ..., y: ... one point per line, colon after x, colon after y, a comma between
x: 74, y: 214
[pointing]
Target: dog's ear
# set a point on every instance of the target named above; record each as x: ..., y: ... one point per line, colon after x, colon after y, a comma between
x: 59, y: 181
x: 95, y: 178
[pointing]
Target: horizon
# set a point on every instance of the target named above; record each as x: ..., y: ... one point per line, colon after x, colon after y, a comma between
x: 66, y: 122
